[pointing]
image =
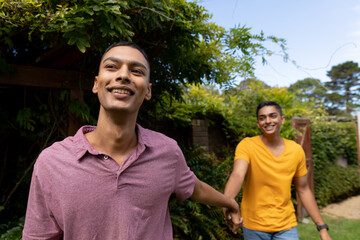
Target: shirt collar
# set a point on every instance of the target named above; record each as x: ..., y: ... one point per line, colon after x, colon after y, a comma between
x: 83, y: 146
x: 143, y: 136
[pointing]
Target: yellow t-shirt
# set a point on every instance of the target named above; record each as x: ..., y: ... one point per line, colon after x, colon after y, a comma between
x: 266, y: 204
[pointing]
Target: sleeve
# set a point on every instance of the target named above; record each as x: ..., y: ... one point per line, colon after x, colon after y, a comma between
x: 242, y: 150
x: 39, y: 220
x: 301, y: 169
x: 185, y: 178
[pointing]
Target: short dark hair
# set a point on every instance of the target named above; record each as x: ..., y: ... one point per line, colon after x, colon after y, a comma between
x: 268, y: 103
x: 128, y: 44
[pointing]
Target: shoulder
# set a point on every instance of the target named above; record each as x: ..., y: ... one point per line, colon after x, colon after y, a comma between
x: 63, y: 146
x: 248, y: 145
x: 155, y: 139
x: 161, y: 147
x: 250, y: 140
x: 294, y: 148
x: 57, y: 156
x: 292, y: 144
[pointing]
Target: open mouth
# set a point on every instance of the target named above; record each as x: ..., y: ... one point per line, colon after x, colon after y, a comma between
x: 122, y: 91
x: 269, y: 127
x: 126, y: 91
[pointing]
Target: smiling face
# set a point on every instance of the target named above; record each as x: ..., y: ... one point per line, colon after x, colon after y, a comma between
x: 270, y: 120
x: 122, y: 83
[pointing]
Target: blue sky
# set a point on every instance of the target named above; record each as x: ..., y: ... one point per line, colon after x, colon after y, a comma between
x: 319, y: 33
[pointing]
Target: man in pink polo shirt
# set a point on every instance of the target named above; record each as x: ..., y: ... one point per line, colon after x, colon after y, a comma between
x: 114, y: 181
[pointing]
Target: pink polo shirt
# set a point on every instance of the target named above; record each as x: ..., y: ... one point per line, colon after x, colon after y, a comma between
x: 79, y: 193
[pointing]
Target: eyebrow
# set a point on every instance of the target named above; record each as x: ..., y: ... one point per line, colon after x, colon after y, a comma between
x: 119, y: 60
x: 264, y: 115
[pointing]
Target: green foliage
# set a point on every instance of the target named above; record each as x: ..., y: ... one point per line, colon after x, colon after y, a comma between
x: 183, y: 44
x: 344, y: 86
x: 246, y: 97
x: 309, y: 89
x: 192, y: 220
x: 330, y: 140
x: 12, y: 230
x: 237, y: 106
x: 31, y: 121
x: 334, y: 183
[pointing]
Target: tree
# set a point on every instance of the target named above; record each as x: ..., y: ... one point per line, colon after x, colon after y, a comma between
x: 309, y: 89
x: 183, y: 45
x: 343, y: 89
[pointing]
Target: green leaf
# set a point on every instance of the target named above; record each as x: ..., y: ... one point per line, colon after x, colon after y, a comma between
x: 97, y: 8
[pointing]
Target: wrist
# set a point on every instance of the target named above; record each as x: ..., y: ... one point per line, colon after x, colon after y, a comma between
x: 232, y: 203
x: 322, y: 227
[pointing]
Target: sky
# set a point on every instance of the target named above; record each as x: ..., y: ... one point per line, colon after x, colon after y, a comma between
x: 319, y: 34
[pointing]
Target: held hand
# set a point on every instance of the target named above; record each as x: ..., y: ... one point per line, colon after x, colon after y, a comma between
x: 324, y: 235
x: 232, y: 216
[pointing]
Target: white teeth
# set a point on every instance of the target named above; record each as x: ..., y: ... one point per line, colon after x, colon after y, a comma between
x: 121, y: 91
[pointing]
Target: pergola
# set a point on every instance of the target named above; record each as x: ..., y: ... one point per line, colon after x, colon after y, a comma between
x: 53, y: 69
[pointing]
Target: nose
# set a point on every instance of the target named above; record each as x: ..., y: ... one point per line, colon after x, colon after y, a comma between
x: 123, y: 74
x: 267, y: 119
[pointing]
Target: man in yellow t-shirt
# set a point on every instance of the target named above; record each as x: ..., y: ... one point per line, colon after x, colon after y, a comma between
x: 268, y: 164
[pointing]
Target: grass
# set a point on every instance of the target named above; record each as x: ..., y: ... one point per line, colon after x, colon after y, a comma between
x: 339, y: 228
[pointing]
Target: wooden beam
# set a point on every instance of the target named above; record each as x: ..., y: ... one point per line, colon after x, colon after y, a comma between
x: 302, y: 125
x: 357, y: 128
x: 47, y: 77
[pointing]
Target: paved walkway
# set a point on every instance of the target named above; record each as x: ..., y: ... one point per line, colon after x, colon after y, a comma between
x: 349, y: 208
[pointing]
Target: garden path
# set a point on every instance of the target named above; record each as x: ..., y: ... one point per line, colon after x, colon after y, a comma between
x: 349, y: 208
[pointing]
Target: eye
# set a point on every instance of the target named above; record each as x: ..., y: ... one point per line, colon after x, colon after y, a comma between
x: 110, y: 66
x: 137, y: 72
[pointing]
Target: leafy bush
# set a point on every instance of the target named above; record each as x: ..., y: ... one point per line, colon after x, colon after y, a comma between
x: 27, y: 125
x: 192, y: 220
x: 332, y: 139
x: 329, y: 141
x: 334, y: 183
x: 12, y: 230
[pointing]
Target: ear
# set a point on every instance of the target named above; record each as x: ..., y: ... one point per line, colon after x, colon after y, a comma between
x: 148, y: 92
x: 282, y: 120
x: 95, y: 87
x: 257, y: 123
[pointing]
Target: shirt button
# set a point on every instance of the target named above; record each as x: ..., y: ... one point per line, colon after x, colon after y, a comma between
x: 106, y: 157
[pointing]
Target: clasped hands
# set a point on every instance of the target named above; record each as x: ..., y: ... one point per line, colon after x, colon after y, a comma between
x: 232, y: 217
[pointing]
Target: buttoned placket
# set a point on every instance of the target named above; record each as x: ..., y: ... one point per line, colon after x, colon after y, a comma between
x: 128, y: 161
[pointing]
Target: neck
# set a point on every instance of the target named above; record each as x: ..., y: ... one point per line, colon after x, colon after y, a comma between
x: 114, y: 135
x: 271, y: 140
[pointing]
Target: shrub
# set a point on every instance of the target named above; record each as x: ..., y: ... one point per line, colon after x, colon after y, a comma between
x: 12, y: 230
x: 192, y: 220
x: 329, y: 140
x: 334, y: 183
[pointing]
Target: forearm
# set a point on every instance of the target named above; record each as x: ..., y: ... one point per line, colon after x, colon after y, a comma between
x: 205, y: 194
x: 233, y: 186
x: 308, y: 200
x: 236, y: 179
